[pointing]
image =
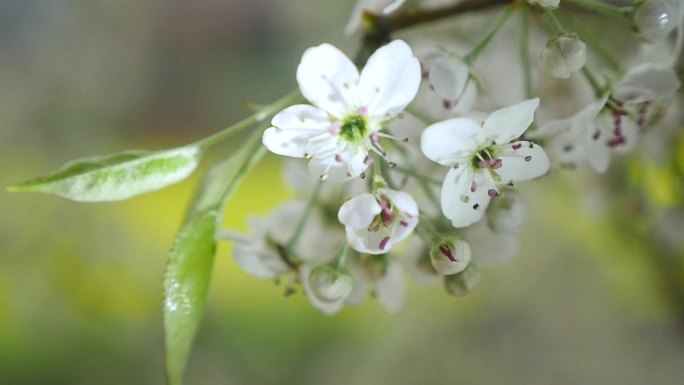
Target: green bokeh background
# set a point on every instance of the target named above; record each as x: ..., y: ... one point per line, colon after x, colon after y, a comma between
x: 80, y: 284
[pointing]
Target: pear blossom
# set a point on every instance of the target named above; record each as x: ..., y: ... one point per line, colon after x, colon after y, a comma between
x: 262, y: 253
x: 375, y: 222
x: 447, y: 88
x: 349, y: 109
x: 375, y: 6
x: 481, y: 156
x: 380, y: 276
x: 564, y: 55
x: 602, y: 129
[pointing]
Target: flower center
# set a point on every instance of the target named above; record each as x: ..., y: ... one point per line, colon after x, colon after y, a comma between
x: 485, y: 158
x: 353, y: 128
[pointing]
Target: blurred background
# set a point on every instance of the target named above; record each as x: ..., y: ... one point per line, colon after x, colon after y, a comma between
x: 586, y: 301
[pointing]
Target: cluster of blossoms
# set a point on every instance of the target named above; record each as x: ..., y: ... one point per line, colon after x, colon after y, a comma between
x: 398, y: 151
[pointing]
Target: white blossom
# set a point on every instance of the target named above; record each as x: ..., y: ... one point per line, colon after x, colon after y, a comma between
x: 375, y: 222
x: 656, y: 19
x: 380, y: 276
x: 349, y: 109
x: 447, y: 88
x: 480, y: 157
x: 564, y: 55
x: 600, y: 129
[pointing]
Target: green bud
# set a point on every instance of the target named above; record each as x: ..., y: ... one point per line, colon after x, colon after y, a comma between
x: 462, y: 283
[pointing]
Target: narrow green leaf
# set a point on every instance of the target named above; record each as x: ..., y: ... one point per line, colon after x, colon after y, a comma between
x: 117, y: 176
x: 191, y: 260
x: 185, y: 289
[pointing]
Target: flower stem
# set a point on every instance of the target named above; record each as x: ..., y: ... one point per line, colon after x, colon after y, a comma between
x: 472, y: 56
x: 605, y: 8
x: 556, y: 26
x: 341, y: 257
x: 591, y: 79
x: 590, y: 38
x: 525, y: 51
x: 305, y: 216
x: 256, y: 118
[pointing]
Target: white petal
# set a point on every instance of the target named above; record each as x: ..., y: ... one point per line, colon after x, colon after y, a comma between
x: 459, y: 203
x: 259, y: 260
x: 391, y: 289
x: 401, y: 200
x: 336, y: 171
x: 448, y: 77
x: 390, y: 80
x: 551, y: 128
x: 358, y: 212
x: 489, y: 248
x: 293, y: 127
x: 403, y: 228
x: 328, y: 79
x: 597, y: 153
x: 510, y: 122
x: 647, y: 82
x: 468, y: 97
x: 521, y: 161
x: 452, y: 141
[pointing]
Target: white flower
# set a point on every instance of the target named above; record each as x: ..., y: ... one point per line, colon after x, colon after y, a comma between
x: 447, y: 88
x: 481, y: 157
x: 262, y: 253
x: 375, y: 6
x: 564, y: 55
x: 375, y: 222
x: 348, y: 109
x: 545, y: 3
x: 450, y: 256
x: 495, y: 242
x: 600, y: 129
x: 381, y: 276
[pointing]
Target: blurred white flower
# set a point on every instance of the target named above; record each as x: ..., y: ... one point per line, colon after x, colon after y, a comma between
x: 349, y: 109
x: 600, y: 129
x: 656, y: 19
x: 447, y: 88
x: 380, y: 276
x: 564, y: 55
x: 375, y: 222
x: 327, y: 286
x: 480, y: 157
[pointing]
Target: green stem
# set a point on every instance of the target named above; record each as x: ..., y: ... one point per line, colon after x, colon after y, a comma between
x: 550, y: 16
x: 590, y: 38
x: 420, y: 115
x: 256, y: 118
x: 305, y: 216
x: 591, y: 79
x: 525, y: 52
x: 472, y: 56
x: 341, y: 257
x: 605, y: 8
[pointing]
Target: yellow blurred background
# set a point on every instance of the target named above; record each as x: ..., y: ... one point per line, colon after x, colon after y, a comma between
x: 80, y: 284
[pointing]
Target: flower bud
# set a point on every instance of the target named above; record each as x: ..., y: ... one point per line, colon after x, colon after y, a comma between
x: 462, y: 283
x: 545, y: 3
x: 329, y: 283
x: 450, y: 256
x: 563, y: 55
x: 654, y: 20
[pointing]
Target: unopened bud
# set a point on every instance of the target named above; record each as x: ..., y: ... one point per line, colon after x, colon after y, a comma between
x: 654, y: 20
x: 462, y: 283
x: 329, y: 283
x: 450, y: 256
x: 564, y: 55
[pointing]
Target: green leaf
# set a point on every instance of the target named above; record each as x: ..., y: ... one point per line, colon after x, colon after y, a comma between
x: 185, y: 289
x: 191, y: 260
x: 118, y: 176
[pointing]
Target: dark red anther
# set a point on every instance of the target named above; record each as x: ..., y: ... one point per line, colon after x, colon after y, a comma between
x: 447, y: 253
x: 383, y: 243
